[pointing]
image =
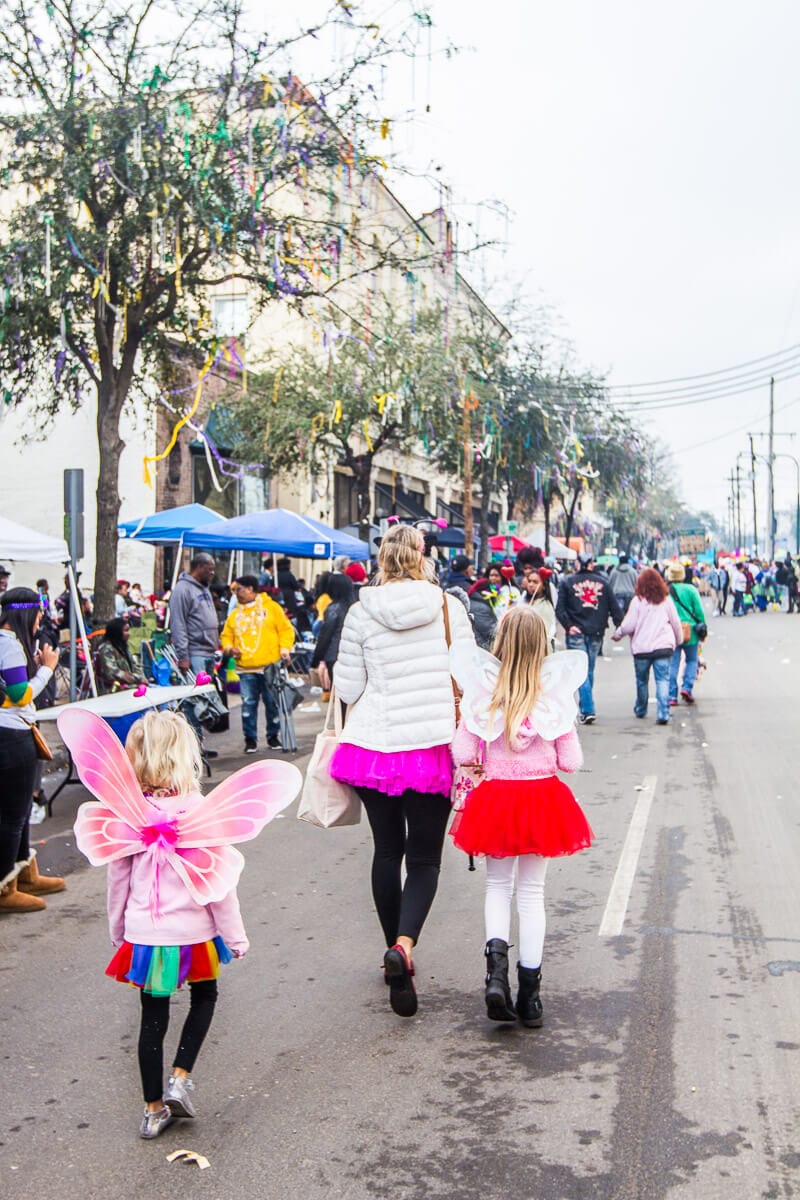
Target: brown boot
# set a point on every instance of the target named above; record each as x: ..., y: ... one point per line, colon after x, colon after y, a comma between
x: 33, y: 884
x: 14, y: 901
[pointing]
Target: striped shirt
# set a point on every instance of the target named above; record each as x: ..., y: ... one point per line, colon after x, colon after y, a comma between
x: 17, y: 709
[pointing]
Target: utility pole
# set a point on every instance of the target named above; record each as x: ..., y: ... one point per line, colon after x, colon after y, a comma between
x: 738, y: 506
x: 771, y: 471
x: 753, y: 478
x: 732, y: 512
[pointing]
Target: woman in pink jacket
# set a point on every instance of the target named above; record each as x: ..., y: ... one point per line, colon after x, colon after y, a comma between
x: 518, y: 720
x: 653, y: 626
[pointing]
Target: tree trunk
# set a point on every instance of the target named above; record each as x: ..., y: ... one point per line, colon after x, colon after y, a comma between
x: 576, y: 493
x: 469, y: 537
x: 546, y: 500
x: 110, y: 447
x: 361, y: 466
x: 483, y: 527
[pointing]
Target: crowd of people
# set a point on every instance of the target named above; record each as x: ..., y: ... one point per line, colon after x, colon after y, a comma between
x: 443, y: 673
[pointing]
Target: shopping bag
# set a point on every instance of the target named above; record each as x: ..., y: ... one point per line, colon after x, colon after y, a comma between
x: 467, y: 777
x: 327, y: 802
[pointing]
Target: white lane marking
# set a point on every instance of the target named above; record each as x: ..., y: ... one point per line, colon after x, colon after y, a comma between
x: 620, y: 894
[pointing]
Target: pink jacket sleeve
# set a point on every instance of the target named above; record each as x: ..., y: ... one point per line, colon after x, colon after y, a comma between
x: 118, y: 887
x: 569, y: 755
x: 465, y: 745
x: 228, y: 922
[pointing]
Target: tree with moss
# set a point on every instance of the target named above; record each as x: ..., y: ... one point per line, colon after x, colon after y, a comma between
x: 151, y: 151
x: 358, y: 392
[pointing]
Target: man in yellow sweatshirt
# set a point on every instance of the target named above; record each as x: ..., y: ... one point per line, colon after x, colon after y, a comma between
x: 257, y: 633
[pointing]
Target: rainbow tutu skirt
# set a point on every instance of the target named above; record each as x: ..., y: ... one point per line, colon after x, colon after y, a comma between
x: 161, y: 970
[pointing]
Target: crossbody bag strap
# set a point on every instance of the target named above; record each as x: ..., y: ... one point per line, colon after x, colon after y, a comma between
x: 680, y: 604
x: 449, y: 640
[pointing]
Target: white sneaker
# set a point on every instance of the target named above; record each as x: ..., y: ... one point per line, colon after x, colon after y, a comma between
x: 153, y: 1122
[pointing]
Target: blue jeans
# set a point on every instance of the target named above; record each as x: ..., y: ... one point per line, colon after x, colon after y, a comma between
x: 254, y: 688
x: 198, y: 662
x: 579, y: 641
x: 738, y: 604
x: 661, y: 669
x: 689, y: 671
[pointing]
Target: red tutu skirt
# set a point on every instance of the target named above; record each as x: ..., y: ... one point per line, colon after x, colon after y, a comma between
x: 506, y: 817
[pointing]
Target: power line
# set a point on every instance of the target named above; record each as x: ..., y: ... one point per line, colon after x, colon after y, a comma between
x: 718, y: 437
x: 663, y: 383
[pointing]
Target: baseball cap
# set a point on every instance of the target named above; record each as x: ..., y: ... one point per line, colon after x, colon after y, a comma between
x: 461, y: 562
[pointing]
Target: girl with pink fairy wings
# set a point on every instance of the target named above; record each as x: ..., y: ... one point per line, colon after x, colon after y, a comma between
x: 172, y: 872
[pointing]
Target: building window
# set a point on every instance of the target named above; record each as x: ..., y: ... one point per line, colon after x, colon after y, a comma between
x: 229, y: 315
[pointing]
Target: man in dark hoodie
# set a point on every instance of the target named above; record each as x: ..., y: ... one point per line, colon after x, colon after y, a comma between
x: 585, y: 603
x: 461, y: 573
x: 194, y: 626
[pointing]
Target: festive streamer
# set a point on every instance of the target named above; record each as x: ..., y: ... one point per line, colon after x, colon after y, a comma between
x: 209, y: 363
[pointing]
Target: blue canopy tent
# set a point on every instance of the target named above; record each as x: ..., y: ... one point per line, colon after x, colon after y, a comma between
x: 277, y: 531
x: 170, y: 526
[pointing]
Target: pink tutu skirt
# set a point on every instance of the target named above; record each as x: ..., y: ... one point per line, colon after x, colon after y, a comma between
x: 507, y: 817
x: 429, y: 770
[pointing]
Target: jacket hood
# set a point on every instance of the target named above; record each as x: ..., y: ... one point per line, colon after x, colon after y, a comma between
x: 185, y: 577
x: 405, y: 605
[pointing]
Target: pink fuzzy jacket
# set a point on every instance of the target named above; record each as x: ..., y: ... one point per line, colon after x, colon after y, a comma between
x: 538, y: 759
x: 651, y: 626
x: 181, y: 921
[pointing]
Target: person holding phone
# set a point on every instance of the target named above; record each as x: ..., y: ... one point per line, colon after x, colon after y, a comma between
x: 25, y: 672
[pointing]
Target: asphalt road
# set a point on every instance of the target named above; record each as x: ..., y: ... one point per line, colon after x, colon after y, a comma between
x: 669, y: 1062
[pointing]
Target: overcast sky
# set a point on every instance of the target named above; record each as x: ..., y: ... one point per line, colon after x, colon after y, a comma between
x: 649, y: 155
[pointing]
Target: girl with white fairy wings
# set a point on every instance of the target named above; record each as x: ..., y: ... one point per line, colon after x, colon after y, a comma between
x: 173, y: 911
x: 518, y: 720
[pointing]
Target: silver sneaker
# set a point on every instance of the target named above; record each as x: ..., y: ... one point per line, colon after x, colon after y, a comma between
x: 154, y: 1122
x: 176, y: 1096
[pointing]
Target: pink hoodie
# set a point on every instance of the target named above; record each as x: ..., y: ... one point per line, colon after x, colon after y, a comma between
x: 538, y: 759
x: 651, y: 626
x: 181, y: 920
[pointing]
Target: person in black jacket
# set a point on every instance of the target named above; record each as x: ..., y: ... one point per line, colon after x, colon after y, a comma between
x: 342, y: 592
x: 484, y: 618
x: 585, y: 603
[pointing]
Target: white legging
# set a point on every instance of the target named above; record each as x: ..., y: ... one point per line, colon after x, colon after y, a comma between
x: 530, y: 903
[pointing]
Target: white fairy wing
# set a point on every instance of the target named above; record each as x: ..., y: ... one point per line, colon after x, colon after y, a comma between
x: 475, y: 671
x: 556, y: 709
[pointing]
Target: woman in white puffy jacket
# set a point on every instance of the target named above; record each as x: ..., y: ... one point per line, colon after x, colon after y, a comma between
x: 393, y: 671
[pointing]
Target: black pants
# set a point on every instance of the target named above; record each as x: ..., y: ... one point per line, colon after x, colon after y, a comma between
x: 17, y: 774
x: 155, y: 1021
x: 411, y: 826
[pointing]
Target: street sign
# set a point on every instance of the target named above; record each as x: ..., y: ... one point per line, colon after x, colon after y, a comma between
x: 508, y: 528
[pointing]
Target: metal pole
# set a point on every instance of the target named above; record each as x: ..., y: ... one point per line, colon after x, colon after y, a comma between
x: 738, y: 504
x: 755, y: 512
x: 770, y: 468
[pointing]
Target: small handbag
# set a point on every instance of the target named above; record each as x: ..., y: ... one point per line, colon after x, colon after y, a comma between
x: 325, y: 801
x: 43, y: 751
x: 467, y: 777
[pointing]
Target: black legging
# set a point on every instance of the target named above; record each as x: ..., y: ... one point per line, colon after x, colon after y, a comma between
x: 17, y: 776
x: 412, y: 825
x: 155, y: 1021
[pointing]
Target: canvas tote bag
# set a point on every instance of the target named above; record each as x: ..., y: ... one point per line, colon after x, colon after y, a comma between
x: 325, y: 801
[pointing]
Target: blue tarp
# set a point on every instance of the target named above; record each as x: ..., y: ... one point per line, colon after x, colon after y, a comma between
x: 167, y: 527
x: 277, y: 531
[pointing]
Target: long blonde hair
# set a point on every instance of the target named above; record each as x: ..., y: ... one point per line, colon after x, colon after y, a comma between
x: 400, y: 555
x: 522, y: 646
x: 164, y: 753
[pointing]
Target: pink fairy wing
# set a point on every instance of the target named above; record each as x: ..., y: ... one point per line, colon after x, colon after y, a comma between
x: 102, y: 836
x: 103, y: 765
x: 209, y: 872
x: 239, y: 807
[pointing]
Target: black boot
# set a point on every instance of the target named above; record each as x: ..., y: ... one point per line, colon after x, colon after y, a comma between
x: 529, y: 1006
x: 499, y: 1005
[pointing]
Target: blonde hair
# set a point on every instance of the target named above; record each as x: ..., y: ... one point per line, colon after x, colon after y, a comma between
x: 400, y: 555
x: 164, y: 753
x: 522, y: 646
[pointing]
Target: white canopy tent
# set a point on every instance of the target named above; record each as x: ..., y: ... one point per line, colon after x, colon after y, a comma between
x: 20, y: 544
x: 558, y: 549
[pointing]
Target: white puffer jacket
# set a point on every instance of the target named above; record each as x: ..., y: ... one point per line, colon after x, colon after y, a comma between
x: 393, y: 667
